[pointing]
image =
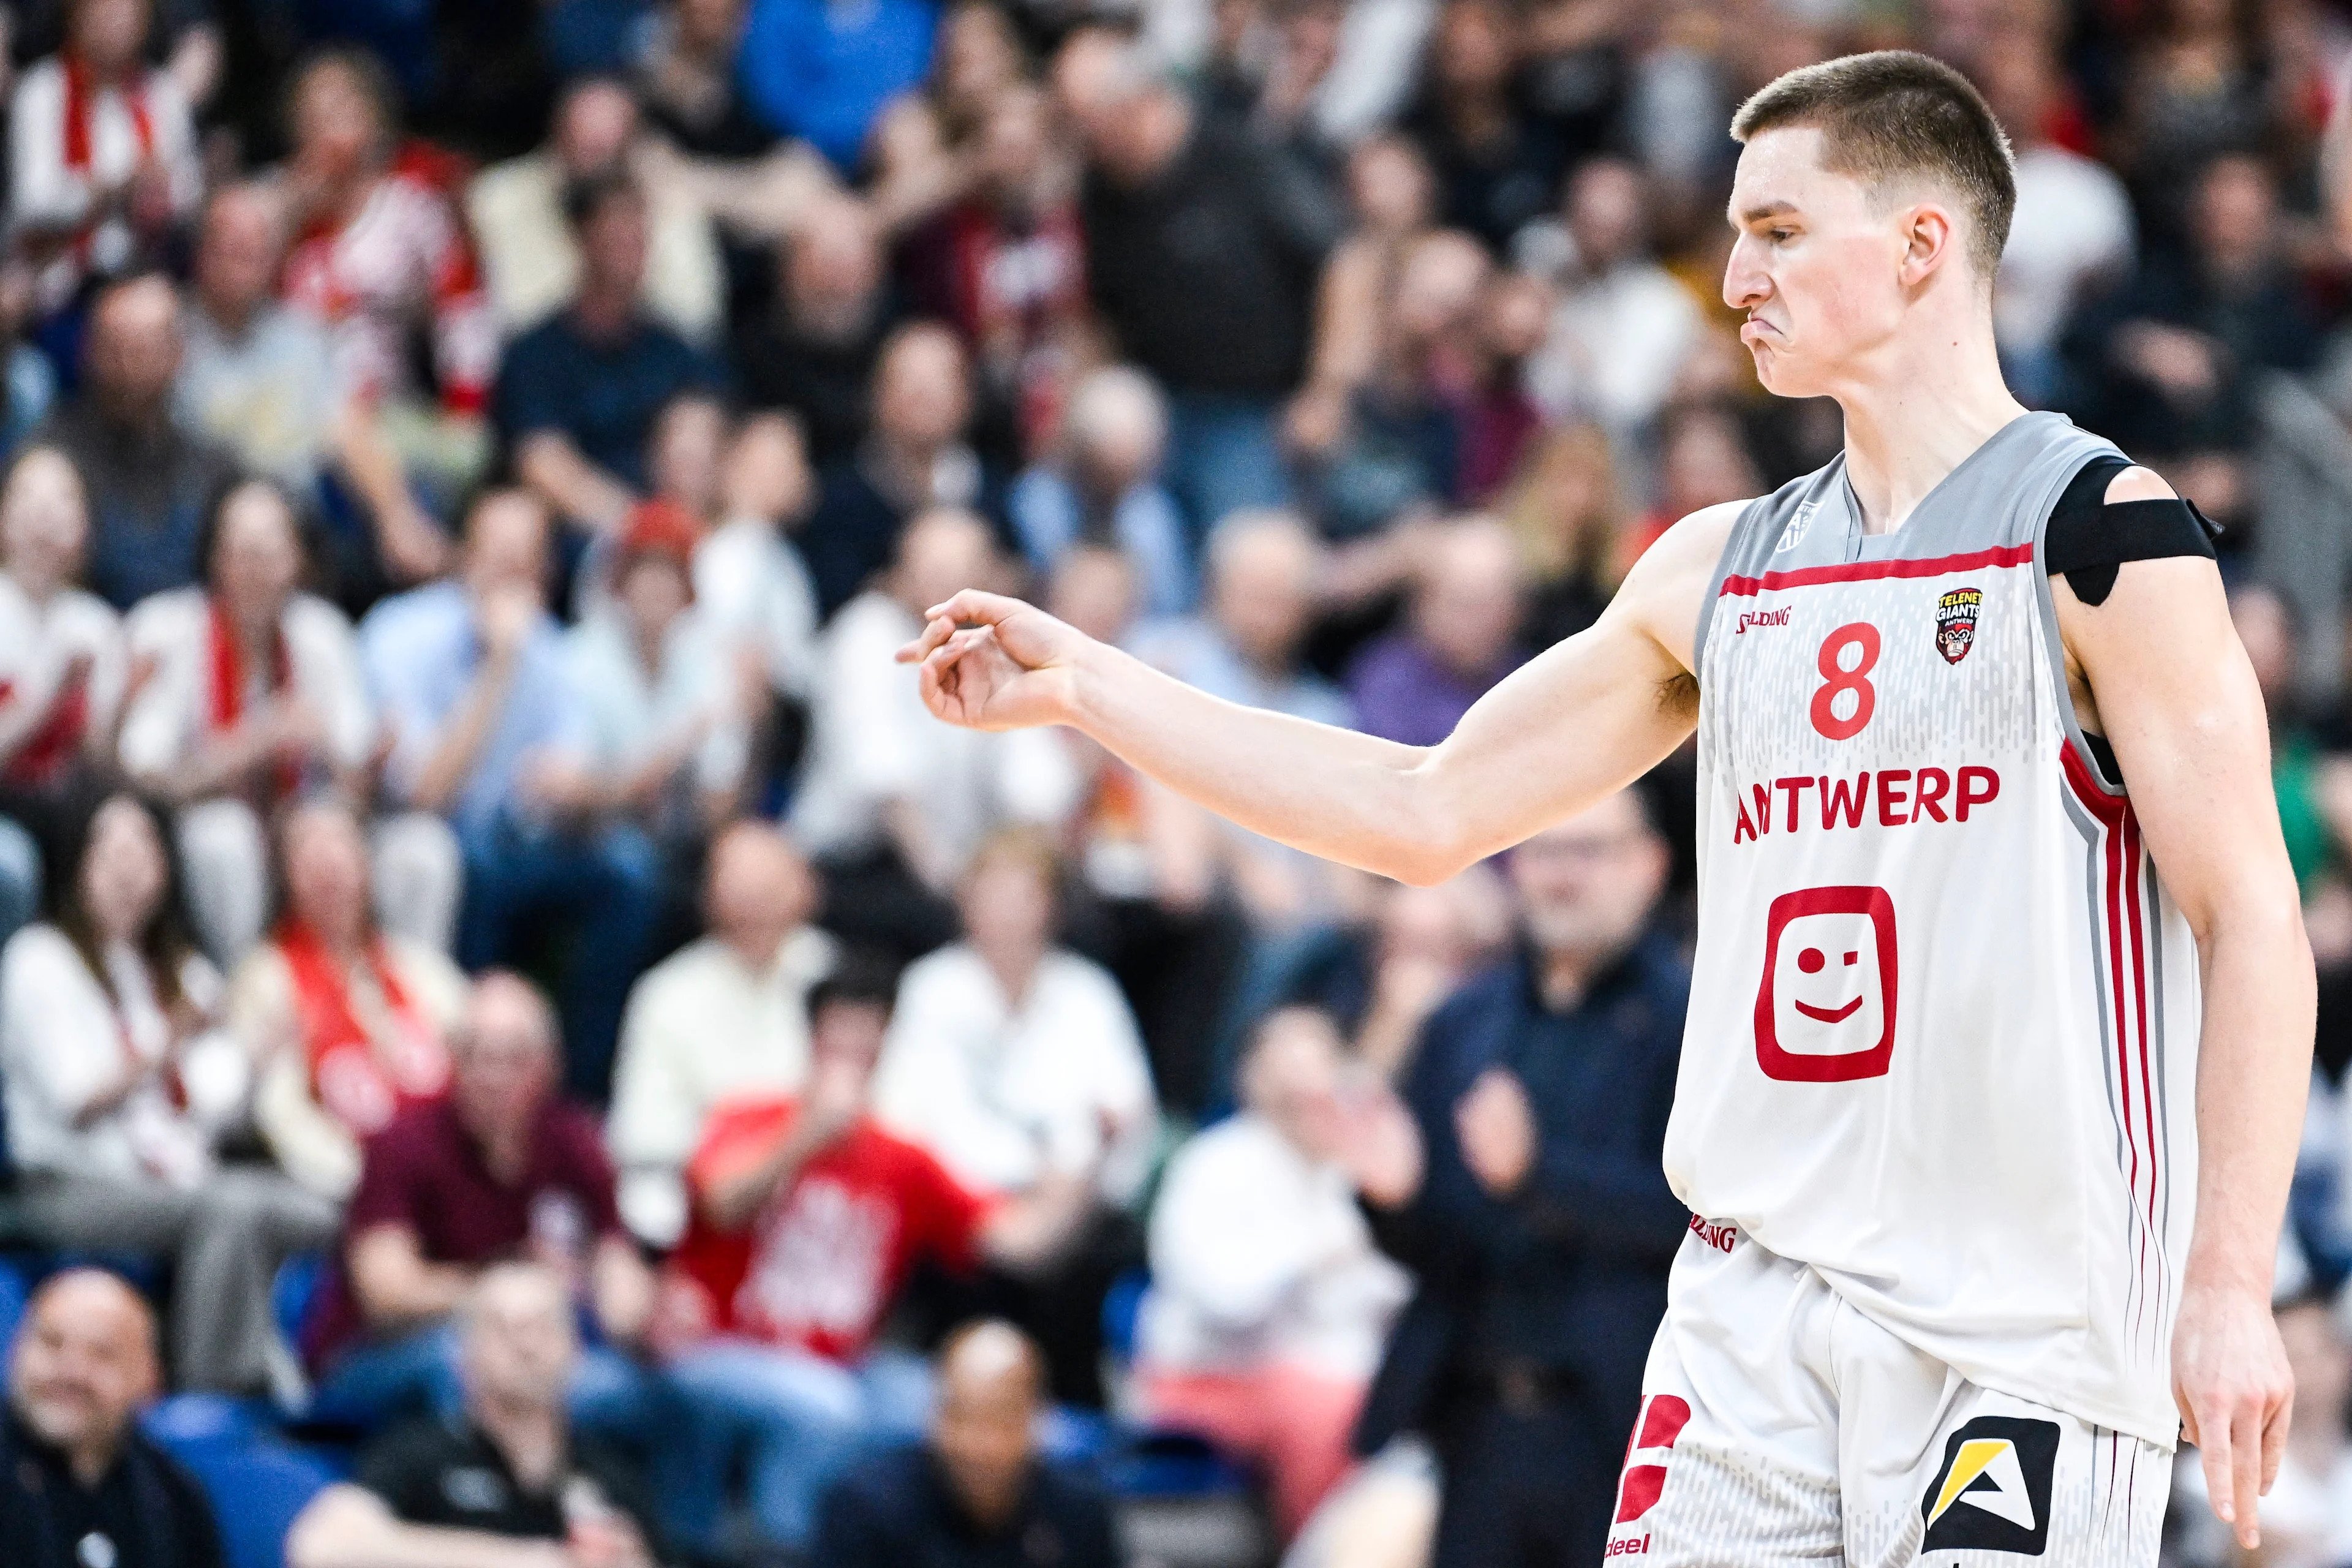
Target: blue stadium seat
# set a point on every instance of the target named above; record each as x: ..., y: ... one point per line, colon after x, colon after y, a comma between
x: 14, y: 1286
x: 291, y: 1291
x: 256, y: 1482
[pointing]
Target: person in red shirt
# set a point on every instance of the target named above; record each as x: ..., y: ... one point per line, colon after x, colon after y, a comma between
x: 498, y: 1168
x: 807, y: 1218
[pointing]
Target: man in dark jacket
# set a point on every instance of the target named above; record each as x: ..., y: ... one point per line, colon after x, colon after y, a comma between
x: 976, y: 1493
x: 80, y: 1484
x: 1520, y: 1178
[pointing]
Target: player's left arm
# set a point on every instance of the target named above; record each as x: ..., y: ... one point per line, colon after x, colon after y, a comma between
x: 2161, y: 673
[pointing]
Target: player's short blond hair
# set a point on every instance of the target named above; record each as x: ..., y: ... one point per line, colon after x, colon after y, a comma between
x: 1896, y: 115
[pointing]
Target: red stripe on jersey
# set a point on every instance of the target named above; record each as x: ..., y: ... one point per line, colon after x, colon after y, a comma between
x: 1861, y: 570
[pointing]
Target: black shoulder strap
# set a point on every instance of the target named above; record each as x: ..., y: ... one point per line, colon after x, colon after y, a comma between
x: 2088, y: 537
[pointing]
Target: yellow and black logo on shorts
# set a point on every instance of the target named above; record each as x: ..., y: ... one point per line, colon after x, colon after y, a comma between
x: 1992, y: 1492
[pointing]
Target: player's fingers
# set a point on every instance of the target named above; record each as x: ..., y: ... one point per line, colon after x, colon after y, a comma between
x: 2246, y: 1467
x: 2213, y: 1449
x: 974, y: 604
x: 2274, y: 1430
x: 936, y: 630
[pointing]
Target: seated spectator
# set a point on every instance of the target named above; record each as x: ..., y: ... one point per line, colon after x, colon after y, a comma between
x: 751, y: 585
x: 1263, y: 569
x: 1005, y: 264
x: 724, y: 1017
x: 381, y: 256
x: 62, y: 675
x: 664, y: 710
x: 1571, y: 520
x: 686, y: 78
x: 1501, y: 420
x: 347, y: 1026
x: 915, y: 456
x: 1399, y: 448
x: 148, y: 477
x: 1496, y: 163
x: 808, y: 1217
x: 823, y: 73
x: 530, y: 252
x: 979, y: 1489
x: 811, y: 352
x: 472, y: 679
x: 2167, y: 362
x: 1625, y: 324
x: 1390, y: 195
x: 2072, y: 232
x: 923, y: 148
x: 257, y: 697
x: 578, y: 394
x: 1224, y: 327
x: 1269, y: 1304
x: 1519, y: 1180
x: 79, y: 1482
x: 498, y: 1169
x: 119, y: 1081
x: 1413, y: 685
x: 501, y: 1482
x: 103, y: 153
x: 1104, y: 489
x: 1018, y: 1063
x: 893, y: 803
x: 261, y: 379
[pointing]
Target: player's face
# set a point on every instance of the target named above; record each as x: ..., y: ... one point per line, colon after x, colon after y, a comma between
x: 1815, y: 267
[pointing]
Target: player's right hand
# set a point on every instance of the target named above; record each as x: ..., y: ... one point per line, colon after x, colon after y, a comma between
x: 989, y: 662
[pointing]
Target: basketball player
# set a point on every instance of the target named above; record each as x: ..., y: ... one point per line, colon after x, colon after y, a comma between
x: 1980, y: 1228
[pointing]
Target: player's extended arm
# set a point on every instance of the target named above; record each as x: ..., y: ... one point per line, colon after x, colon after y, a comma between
x: 1577, y: 722
x: 2176, y: 698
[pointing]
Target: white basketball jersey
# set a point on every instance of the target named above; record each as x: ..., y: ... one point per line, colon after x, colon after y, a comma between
x: 1943, y: 1030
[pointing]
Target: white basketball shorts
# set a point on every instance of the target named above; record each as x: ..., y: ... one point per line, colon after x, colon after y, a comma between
x: 1780, y: 1425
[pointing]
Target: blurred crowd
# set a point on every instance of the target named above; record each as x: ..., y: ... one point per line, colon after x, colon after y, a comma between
x: 495, y: 944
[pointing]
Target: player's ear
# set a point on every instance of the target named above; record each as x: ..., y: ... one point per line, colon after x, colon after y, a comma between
x: 1931, y: 237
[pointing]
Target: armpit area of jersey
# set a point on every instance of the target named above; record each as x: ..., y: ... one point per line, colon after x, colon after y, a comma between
x: 2089, y: 536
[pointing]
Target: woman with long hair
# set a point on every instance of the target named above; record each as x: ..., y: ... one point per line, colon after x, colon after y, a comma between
x: 119, y: 1083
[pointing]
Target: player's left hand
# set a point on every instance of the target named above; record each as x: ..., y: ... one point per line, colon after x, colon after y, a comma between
x: 2231, y: 1378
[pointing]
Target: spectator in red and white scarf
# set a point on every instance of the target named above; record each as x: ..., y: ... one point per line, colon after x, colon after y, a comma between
x: 348, y: 1025
x: 257, y: 695
x: 61, y: 676
x: 103, y: 151
x: 380, y: 255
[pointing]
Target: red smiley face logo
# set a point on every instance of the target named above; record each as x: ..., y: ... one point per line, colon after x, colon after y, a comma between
x: 1826, y: 1005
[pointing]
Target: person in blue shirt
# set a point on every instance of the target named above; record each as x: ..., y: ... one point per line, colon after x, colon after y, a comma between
x: 822, y: 71
x: 578, y: 394
x: 1521, y: 1178
x: 476, y: 689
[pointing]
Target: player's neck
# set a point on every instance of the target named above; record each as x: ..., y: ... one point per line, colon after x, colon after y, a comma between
x: 1925, y: 404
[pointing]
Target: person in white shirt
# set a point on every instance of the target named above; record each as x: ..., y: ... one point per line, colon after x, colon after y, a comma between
x: 62, y: 670
x: 1010, y: 1057
x: 662, y: 707
x: 2074, y: 229
x: 102, y: 152
x: 1269, y: 1304
x: 1017, y: 1064
x: 257, y: 695
x: 724, y: 1017
x: 119, y: 1080
x: 750, y: 582
x: 893, y: 803
x: 1623, y: 325
x: 346, y: 1025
